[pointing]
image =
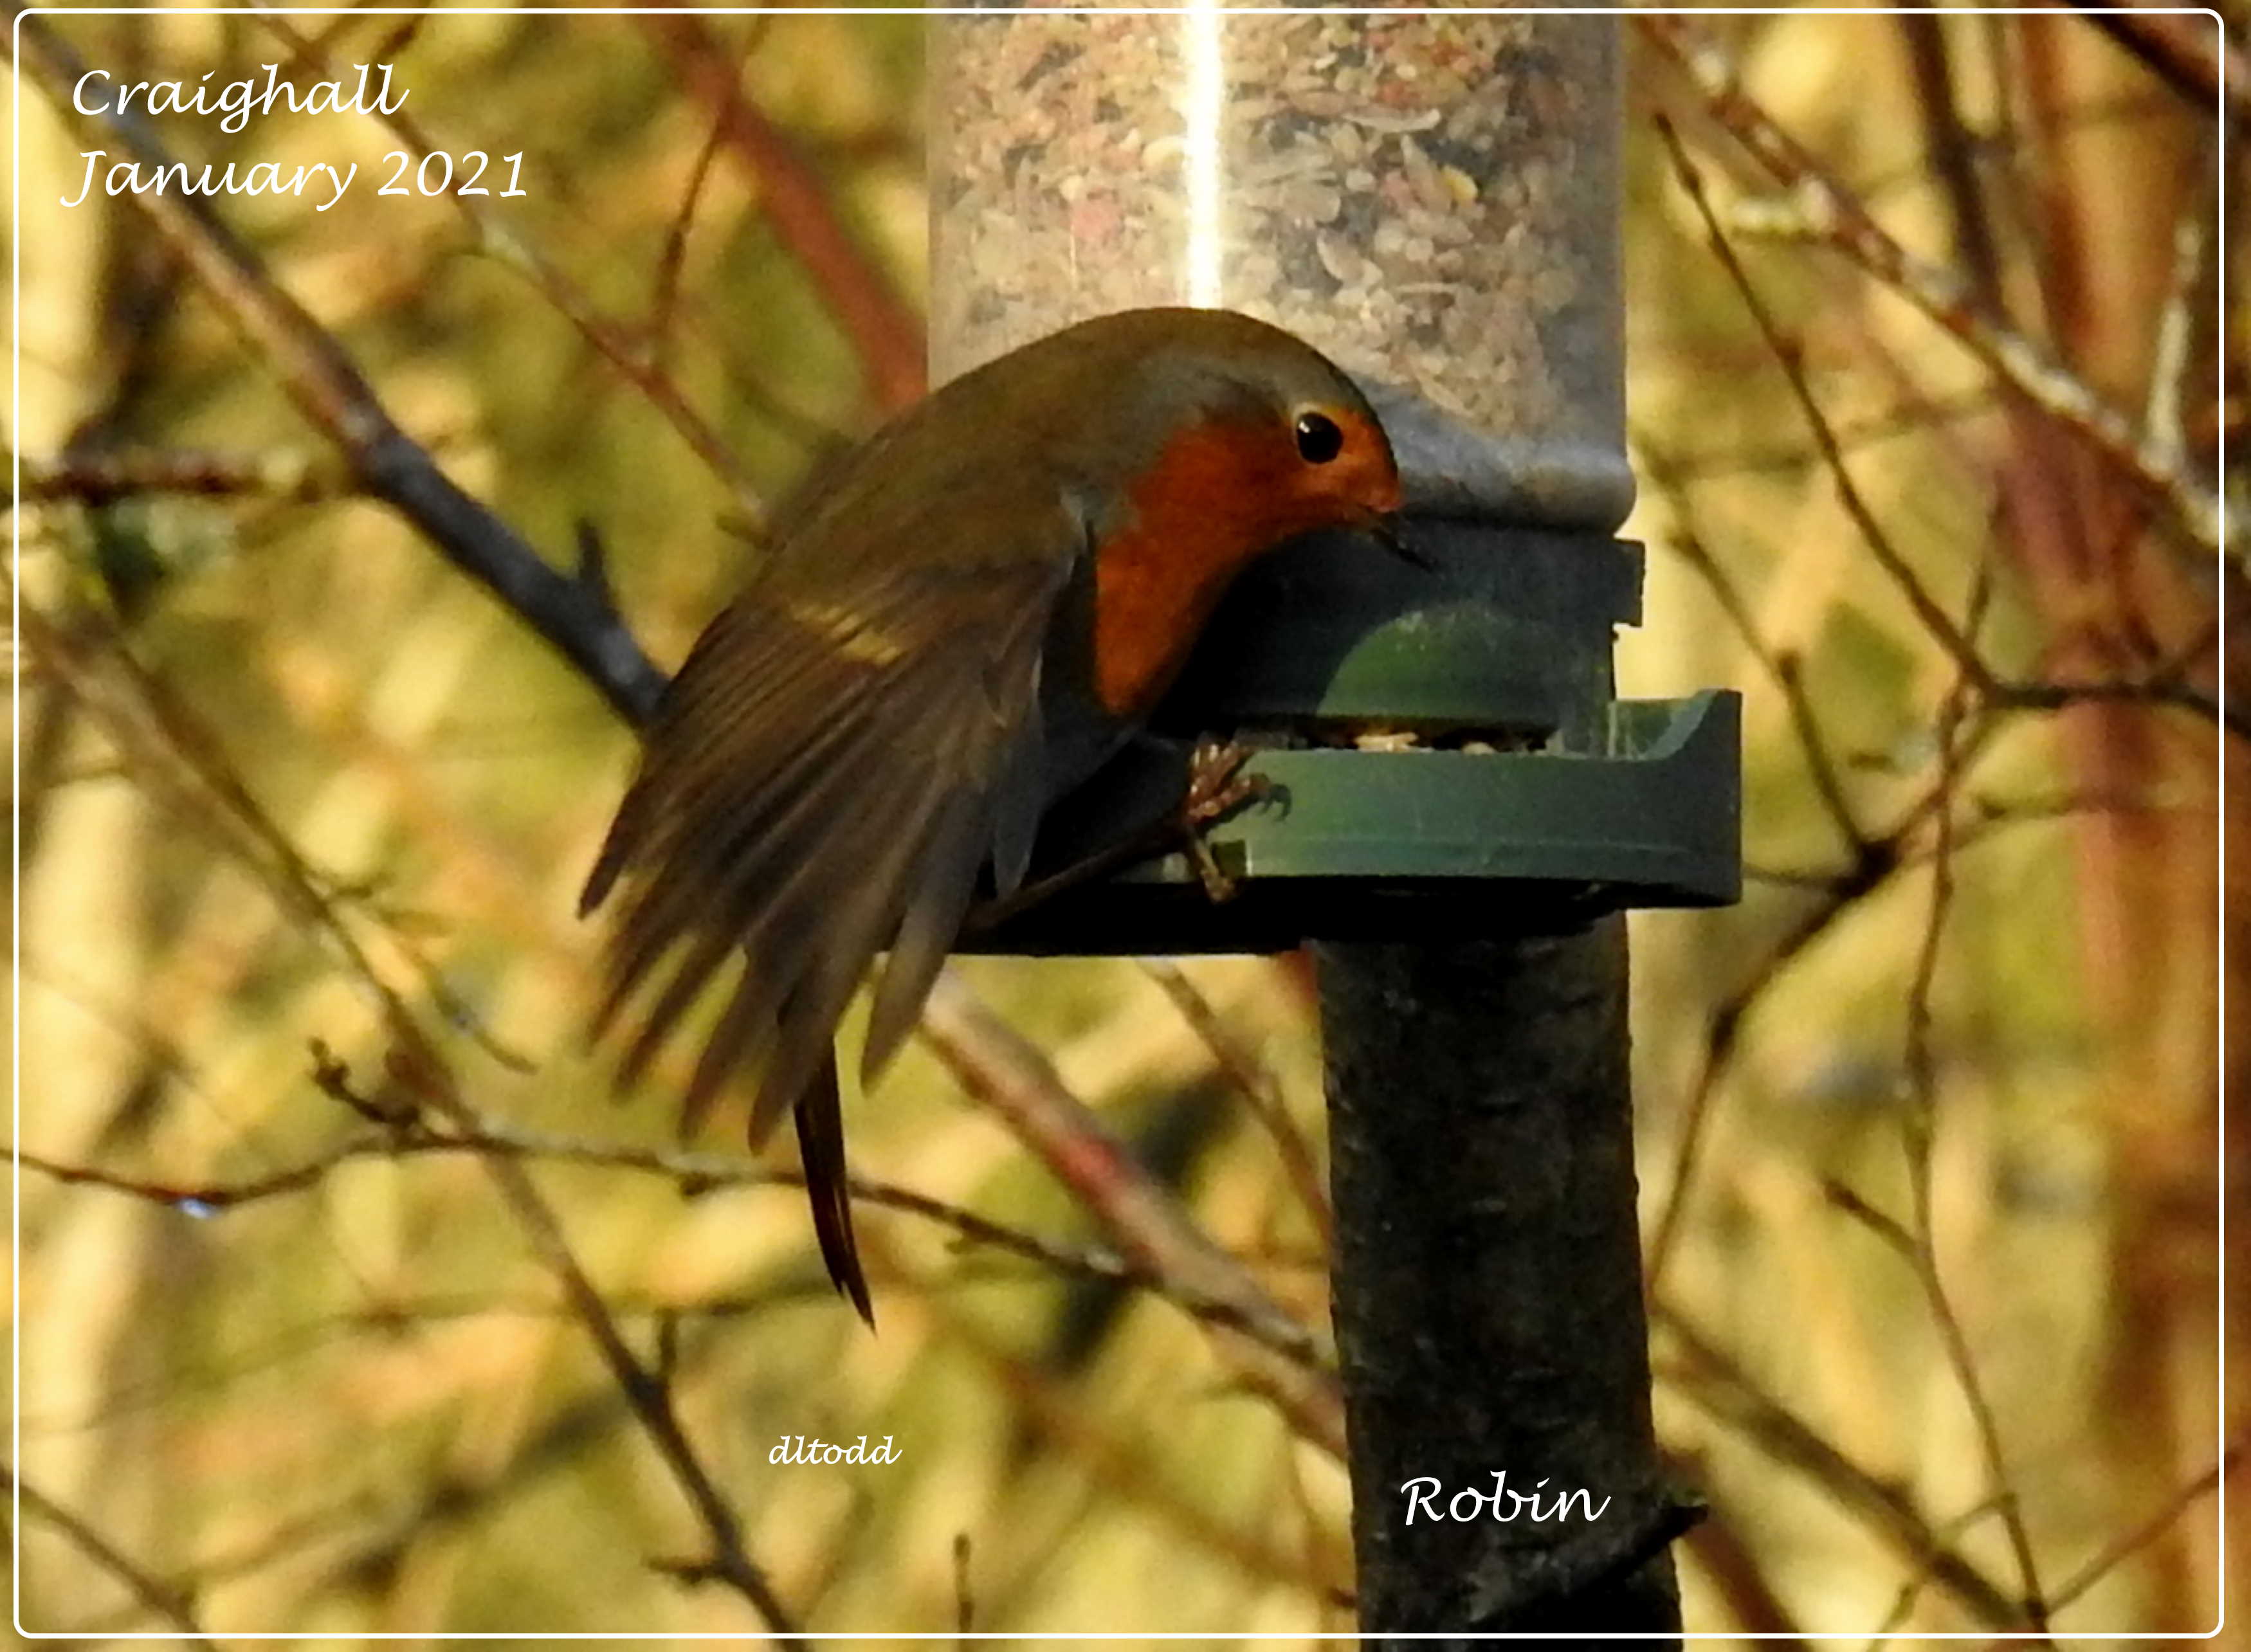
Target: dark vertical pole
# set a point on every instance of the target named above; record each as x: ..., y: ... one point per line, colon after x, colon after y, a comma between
x: 1489, y: 1287
x: 1488, y: 1293
x: 1431, y: 198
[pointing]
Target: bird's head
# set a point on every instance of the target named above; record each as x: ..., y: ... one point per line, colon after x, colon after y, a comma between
x: 1252, y: 432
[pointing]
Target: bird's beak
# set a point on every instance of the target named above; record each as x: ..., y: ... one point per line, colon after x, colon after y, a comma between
x: 1390, y: 533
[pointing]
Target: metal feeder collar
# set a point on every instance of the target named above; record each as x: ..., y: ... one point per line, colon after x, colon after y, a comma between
x: 1531, y: 795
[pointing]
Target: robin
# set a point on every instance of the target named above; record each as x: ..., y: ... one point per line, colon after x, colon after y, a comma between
x: 980, y: 606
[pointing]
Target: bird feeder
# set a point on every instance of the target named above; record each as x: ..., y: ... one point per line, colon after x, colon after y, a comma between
x: 1439, y: 747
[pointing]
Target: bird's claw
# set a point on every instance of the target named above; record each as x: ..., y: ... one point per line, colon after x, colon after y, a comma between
x: 1217, y: 787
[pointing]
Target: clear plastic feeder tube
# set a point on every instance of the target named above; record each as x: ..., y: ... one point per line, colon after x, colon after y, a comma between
x: 1427, y: 197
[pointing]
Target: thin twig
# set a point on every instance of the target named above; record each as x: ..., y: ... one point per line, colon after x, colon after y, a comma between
x: 1790, y: 672
x: 1713, y: 1382
x: 1903, y: 1603
x: 1844, y: 222
x: 998, y: 1066
x: 101, y: 478
x: 1935, y: 620
x: 143, y: 718
x: 639, y: 364
x: 1888, y: 852
x: 1872, y: 861
x: 1255, y: 1082
x: 2161, y: 688
x: 1920, y: 1132
x: 664, y: 301
x: 1753, y: 458
x: 2130, y: 1542
x: 695, y: 1174
x: 2172, y: 355
x: 2190, y: 53
x: 1984, y: 819
x: 886, y: 332
x: 964, y: 1602
x: 164, y: 1599
x: 1953, y: 154
x: 331, y: 392
x: 1734, y: 1574
x: 1781, y: 666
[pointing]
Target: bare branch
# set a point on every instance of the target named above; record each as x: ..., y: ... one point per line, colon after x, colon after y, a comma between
x: 167, y: 1601
x: 1921, y: 1130
x: 1953, y: 157
x: 331, y: 392
x: 888, y: 335
x: 695, y: 1174
x: 2132, y: 1542
x: 1935, y: 620
x: 1887, y: 854
x: 1784, y: 668
x: 994, y: 1064
x: 2173, y: 356
x: 634, y: 361
x: 144, y: 719
x: 1841, y: 221
x: 101, y: 478
x: 2190, y: 53
x: 1716, y: 1385
x: 1255, y: 1083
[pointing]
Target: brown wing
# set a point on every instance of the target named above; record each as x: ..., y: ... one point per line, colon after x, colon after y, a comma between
x: 821, y: 784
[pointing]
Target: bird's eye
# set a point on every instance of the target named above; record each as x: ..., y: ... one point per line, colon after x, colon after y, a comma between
x: 1319, y: 439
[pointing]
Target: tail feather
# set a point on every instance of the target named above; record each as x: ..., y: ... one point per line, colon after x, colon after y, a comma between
x: 820, y: 1145
x: 818, y: 789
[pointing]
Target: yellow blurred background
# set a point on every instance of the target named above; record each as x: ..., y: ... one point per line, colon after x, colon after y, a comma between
x: 354, y: 1401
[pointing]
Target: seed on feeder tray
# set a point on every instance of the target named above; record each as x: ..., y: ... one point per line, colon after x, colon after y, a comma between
x: 1387, y: 740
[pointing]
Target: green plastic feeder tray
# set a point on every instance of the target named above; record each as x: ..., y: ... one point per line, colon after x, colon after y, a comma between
x: 1442, y: 756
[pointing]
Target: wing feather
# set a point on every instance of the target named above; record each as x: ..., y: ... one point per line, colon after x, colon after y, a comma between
x: 822, y: 785
x: 842, y: 748
x: 1019, y: 802
x: 925, y: 934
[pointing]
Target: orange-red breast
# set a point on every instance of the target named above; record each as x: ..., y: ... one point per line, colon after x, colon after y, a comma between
x: 982, y: 601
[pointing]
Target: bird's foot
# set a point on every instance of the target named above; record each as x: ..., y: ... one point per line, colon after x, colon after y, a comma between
x: 1217, y: 787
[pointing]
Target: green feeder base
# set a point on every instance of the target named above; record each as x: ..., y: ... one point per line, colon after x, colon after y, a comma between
x: 1400, y: 844
x: 1440, y: 751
